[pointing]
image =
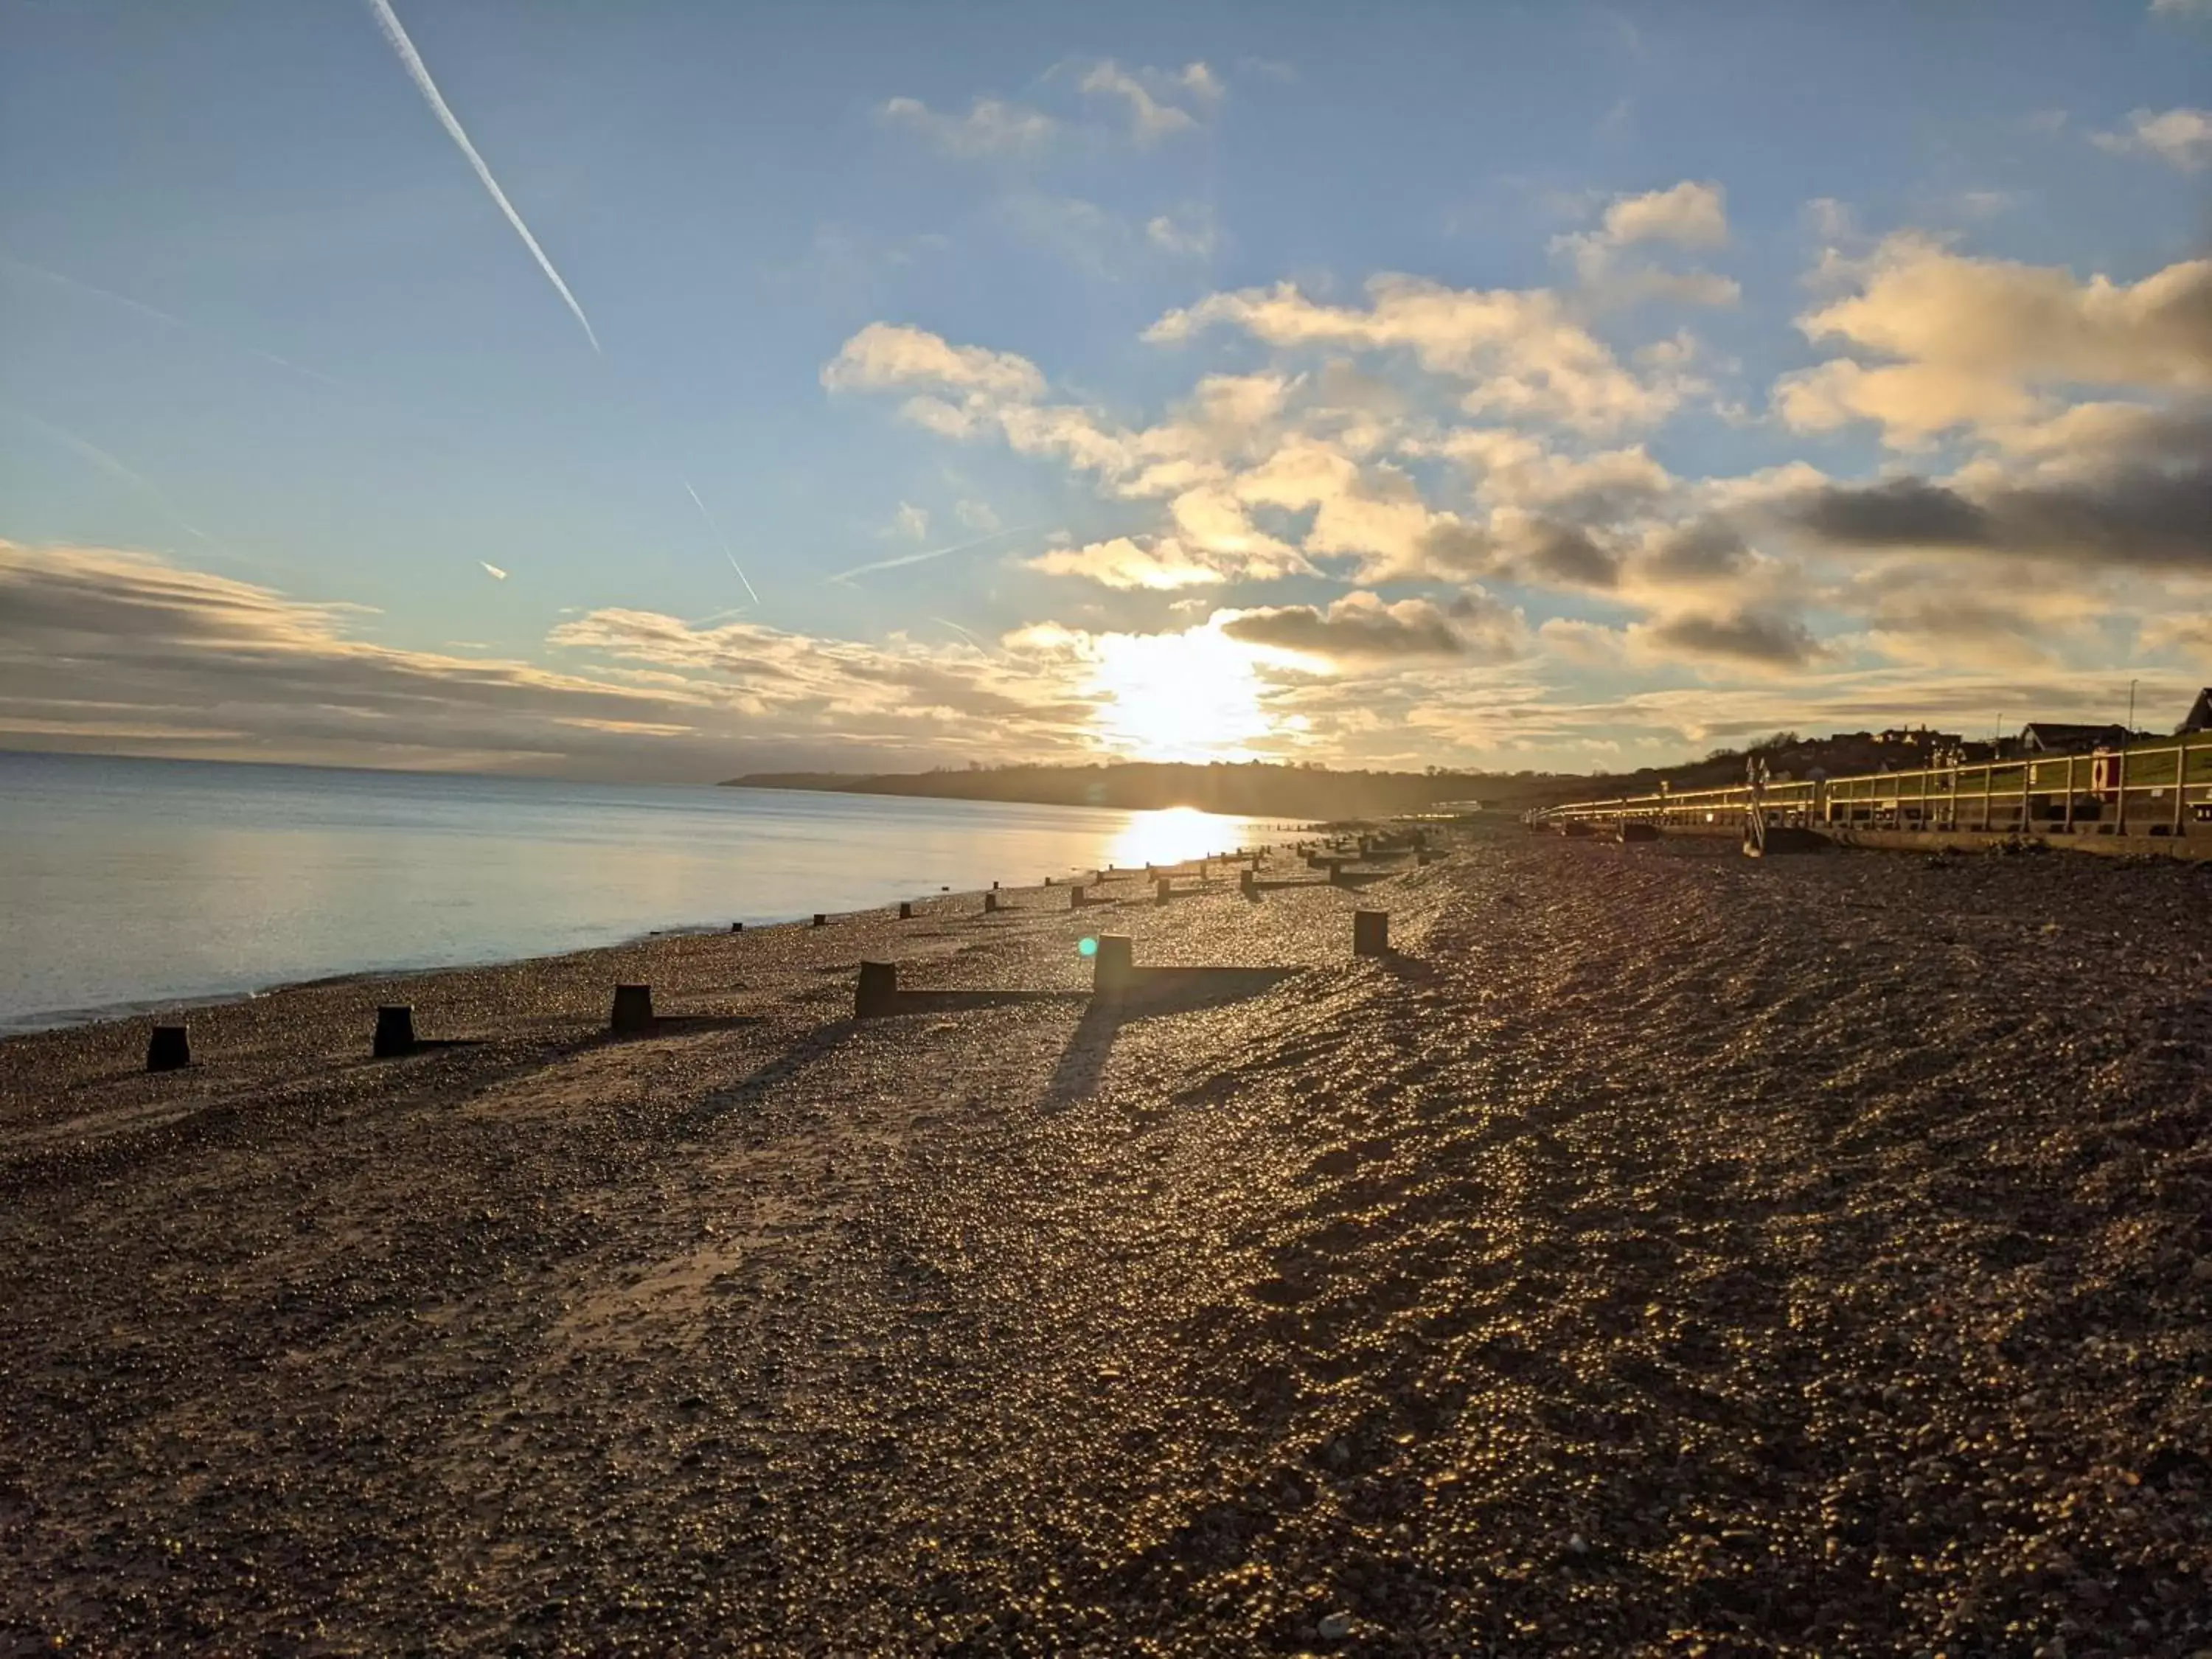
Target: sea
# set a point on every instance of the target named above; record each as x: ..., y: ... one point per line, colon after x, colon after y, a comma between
x: 128, y: 885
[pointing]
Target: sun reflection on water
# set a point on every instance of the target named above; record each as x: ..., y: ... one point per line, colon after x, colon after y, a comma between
x: 1171, y: 835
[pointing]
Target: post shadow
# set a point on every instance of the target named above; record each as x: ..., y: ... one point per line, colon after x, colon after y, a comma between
x: 1147, y: 993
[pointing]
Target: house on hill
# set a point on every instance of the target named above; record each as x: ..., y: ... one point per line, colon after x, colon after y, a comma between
x: 2062, y: 738
x: 2200, y: 713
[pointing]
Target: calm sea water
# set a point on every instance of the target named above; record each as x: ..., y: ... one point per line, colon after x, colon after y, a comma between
x: 132, y: 884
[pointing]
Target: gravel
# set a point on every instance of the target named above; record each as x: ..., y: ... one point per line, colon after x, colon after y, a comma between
x: 1665, y: 1251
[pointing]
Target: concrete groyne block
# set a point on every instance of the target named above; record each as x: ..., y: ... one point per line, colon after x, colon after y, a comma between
x: 168, y: 1048
x: 633, y: 1010
x: 1370, y: 933
x: 395, y: 1031
x: 876, y: 991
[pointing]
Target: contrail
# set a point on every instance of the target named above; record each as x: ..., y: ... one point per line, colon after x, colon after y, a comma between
x: 947, y: 621
x: 107, y: 463
x: 933, y: 553
x: 411, y: 61
x: 154, y: 312
x: 721, y: 537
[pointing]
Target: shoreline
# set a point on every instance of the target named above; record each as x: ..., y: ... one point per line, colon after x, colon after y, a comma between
x: 1662, y: 1246
x: 38, y: 1023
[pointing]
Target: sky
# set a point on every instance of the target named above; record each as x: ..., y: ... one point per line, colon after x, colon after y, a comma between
x: 659, y: 390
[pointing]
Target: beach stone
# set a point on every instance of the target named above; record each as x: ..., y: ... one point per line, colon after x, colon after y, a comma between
x: 1334, y: 1627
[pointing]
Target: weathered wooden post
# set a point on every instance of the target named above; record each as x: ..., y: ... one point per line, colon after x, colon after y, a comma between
x: 1114, y: 966
x: 1078, y: 896
x: 820, y: 920
x: 991, y: 901
x: 1160, y: 890
x: 395, y: 1031
x: 633, y: 1011
x: 168, y: 1048
x: 906, y: 910
x: 1370, y: 933
x: 1248, y: 883
x: 737, y: 928
x: 877, y: 992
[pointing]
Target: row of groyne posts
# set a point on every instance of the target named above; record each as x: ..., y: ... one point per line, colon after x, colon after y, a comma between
x: 2153, y: 791
x: 1113, y: 965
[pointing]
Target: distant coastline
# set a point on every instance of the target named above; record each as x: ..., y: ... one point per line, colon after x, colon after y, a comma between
x: 1271, y: 789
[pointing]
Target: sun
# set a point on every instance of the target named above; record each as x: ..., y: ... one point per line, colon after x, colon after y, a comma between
x: 1191, y: 696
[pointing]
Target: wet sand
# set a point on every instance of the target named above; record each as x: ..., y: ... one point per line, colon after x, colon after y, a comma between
x: 1666, y: 1251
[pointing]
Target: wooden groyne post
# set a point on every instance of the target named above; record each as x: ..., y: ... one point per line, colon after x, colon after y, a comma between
x: 877, y: 992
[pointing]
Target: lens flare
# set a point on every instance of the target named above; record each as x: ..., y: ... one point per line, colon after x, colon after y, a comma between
x: 1089, y: 947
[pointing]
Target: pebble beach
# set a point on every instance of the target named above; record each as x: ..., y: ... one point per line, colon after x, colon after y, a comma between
x: 1660, y: 1252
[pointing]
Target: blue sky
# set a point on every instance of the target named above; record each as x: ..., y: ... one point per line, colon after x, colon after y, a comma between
x: 1354, y: 384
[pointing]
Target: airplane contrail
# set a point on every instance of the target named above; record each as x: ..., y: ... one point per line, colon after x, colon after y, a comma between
x: 933, y: 553
x: 411, y: 61
x: 721, y: 537
x: 107, y: 463
x: 947, y: 621
x: 8, y: 261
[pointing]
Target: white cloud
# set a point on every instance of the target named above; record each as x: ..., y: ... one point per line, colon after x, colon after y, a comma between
x: 1982, y: 342
x: 989, y: 128
x: 1192, y: 236
x: 1160, y: 102
x: 492, y: 570
x: 2181, y: 8
x: 909, y: 522
x: 976, y: 515
x: 886, y: 354
x: 1690, y: 214
x: 2182, y: 138
x: 1156, y: 562
x: 1517, y: 351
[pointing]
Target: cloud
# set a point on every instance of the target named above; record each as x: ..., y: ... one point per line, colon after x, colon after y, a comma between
x: 2182, y: 138
x: 2181, y: 8
x: 411, y: 61
x: 1192, y: 236
x: 1160, y: 102
x: 1982, y: 342
x: 976, y: 515
x: 989, y: 128
x: 2144, y: 517
x: 1362, y: 627
x: 910, y: 522
x: 1518, y: 352
x: 1156, y: 562
x: 1690, y: 214
x: 885, y: 355
x: 492, y: 570
x: 102, y: 643
x: 1747, y: 639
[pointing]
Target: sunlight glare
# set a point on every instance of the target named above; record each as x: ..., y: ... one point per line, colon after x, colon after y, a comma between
x: 1190, y: 697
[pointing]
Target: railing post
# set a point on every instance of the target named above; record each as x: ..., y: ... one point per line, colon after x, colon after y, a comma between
x: 2120, y: 823
x: 2027, y: 781
x: 2180, y: 782
x: 2070, y: 793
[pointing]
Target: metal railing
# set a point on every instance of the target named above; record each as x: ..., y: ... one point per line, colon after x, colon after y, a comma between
x: 2151, y: 789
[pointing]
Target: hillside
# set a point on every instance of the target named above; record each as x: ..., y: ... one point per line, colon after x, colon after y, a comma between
x: 1260, y: 789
